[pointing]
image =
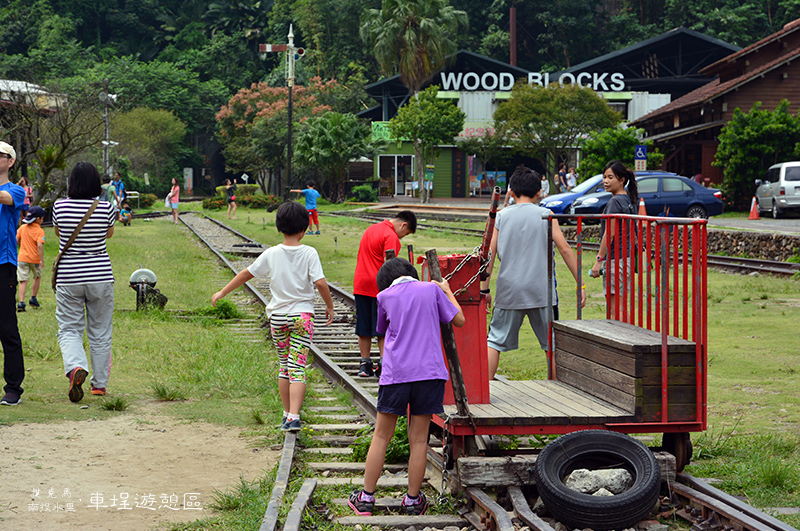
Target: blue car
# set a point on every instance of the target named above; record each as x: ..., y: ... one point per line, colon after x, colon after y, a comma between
x: 661, y: 191
x: 560, y: 203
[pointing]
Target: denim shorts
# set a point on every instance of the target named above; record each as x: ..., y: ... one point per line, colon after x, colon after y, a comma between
x: 367, y: 316
x: 424, y: 397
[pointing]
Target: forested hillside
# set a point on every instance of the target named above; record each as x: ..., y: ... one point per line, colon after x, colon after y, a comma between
x: 190, y: 56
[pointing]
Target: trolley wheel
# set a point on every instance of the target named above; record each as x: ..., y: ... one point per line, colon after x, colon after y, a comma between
x: 679, y: 445
x: 596, y: 449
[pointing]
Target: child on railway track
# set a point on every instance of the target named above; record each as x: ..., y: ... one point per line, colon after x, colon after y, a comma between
x: 294, y: 270
x: 413, y: 376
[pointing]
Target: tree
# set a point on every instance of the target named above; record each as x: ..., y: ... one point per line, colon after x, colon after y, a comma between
x: 413, y: 37
x: 549, y: 122
x: 615, y: 143
x: 50, y: 127
x: 149, y: 138
x: 752, y: 142
x: 331, y: 141
x: 429, y: 122
x: 491, y: 147
x: 252, y: 126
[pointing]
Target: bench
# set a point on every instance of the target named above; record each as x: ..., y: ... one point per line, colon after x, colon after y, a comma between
x: 621, y: 364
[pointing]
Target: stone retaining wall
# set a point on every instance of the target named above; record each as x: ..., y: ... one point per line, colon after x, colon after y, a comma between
x: 761, y: 245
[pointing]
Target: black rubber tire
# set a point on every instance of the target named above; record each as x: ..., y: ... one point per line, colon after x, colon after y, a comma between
x: 696, y: 211
x: 596, y: 449
x: 777, y: 213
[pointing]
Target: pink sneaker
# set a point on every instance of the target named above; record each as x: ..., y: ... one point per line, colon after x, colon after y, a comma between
x: 100, y: 391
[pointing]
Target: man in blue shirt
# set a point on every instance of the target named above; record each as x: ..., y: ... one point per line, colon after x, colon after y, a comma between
x: 311, y: 196
x: 12, y: 198
x: 119, y: 186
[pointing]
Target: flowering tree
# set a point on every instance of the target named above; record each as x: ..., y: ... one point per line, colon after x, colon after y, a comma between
x: 252, y: 126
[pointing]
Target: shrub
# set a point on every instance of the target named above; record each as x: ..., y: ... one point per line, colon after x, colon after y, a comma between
x: 364, y: 193
x: 258, y: 201
x: 214, y: 203
x: 241, y: 189
x: 147, y: 200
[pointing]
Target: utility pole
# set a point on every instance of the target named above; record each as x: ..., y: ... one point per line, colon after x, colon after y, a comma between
x: 108, y: 100
x: 292, y: 54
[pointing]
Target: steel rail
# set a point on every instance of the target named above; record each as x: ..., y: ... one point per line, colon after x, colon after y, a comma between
x: 707, y: 491
x: 498, y: 517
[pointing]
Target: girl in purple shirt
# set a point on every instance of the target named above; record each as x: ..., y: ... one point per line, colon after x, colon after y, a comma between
x: 413, y: 375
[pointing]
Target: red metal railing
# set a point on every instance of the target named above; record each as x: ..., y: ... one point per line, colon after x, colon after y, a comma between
x: 667, y: 287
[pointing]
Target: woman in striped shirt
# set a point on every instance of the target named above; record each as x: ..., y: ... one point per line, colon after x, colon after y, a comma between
x: 85, y: 282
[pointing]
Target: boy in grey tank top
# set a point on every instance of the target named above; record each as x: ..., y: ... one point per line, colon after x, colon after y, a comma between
x: 520, y: 241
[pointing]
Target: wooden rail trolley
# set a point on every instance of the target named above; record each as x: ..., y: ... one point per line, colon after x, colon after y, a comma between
x: 642, y: 370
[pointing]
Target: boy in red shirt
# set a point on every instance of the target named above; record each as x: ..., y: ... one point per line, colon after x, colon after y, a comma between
x: 375, y: 241
x: 30, y: 238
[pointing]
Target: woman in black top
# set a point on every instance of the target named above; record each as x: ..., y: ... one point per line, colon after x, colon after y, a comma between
x: 616, y: 177
x: 230, y: 193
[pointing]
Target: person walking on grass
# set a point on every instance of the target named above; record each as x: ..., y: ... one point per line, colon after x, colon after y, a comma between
x: 12, y: 197
x: 520, y: 242
x: 311, y: 196
x: 294, y: 270
x: 84, y: 281
x: 375, y: 241
x: 413, y: 374
x: 30, y: 261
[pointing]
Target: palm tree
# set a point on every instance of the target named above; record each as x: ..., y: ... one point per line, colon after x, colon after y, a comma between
x: 413, y: 37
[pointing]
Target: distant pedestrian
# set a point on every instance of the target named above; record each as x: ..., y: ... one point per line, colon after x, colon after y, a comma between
x: 23, y: 182
x: 119, y: 187
x: 572, y: 179
x: 174, y: 198
x: 375, y: 241
x: 413, y: 376
x: 294, y: 270
x: 545, y: 187
x: 230, y: 195
x: 561, y: 178
x: 30, y: 261
x: 12, y: 197
x: 109, y: 193
x: 311, y: 196
x: 84, y: 281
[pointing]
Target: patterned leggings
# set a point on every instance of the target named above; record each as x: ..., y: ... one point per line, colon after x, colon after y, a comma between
x: 292, y: 334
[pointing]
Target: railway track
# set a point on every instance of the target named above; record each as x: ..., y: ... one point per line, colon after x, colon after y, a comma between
x: 728, y: 263
x: 335, y: 426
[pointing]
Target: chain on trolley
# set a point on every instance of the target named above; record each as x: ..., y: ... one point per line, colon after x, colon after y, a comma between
x: 474, y: 254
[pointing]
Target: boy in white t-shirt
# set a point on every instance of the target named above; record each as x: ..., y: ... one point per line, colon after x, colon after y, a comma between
x: 294, y: 270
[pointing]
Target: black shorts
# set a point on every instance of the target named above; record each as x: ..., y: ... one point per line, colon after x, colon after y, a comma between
x: 425, y: 397
x: 367, y: 316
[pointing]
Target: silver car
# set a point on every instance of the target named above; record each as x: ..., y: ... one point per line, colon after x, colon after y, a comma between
x: 779, y: 191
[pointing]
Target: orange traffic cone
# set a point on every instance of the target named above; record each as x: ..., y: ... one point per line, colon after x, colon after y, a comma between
x: 754, y: 209
x: 642, y: 210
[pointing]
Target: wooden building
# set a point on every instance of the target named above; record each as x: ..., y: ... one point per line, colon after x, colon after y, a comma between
x: 687, y: 129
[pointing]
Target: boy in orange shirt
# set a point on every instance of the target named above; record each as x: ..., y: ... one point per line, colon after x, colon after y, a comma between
x: 30, y: 238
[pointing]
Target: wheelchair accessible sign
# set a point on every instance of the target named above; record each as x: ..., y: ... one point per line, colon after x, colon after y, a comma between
x: 640, y: 158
